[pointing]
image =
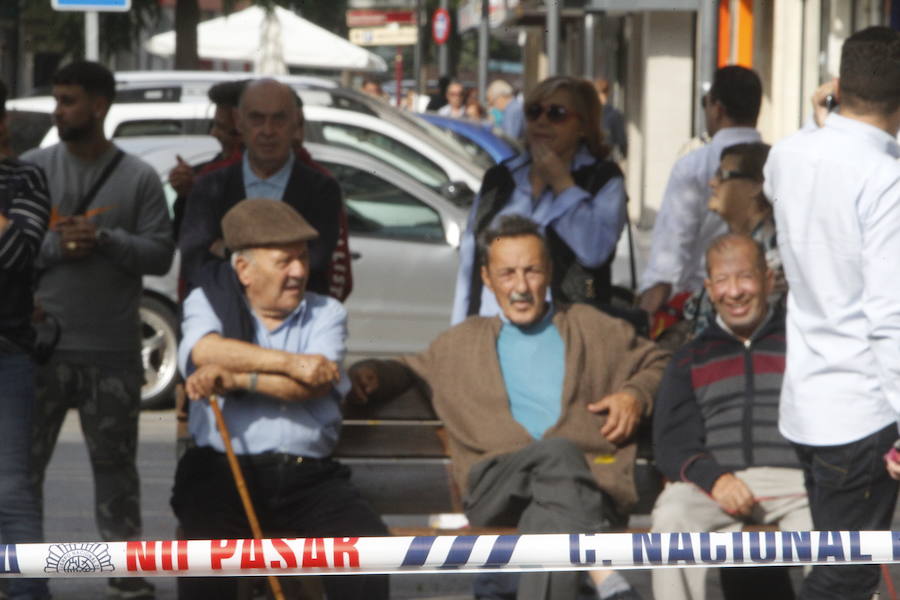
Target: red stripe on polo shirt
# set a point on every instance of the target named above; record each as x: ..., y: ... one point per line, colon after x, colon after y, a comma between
x: 768, y: 363
x: 717, y: 371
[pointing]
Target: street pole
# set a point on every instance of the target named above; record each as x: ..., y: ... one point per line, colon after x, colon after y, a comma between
x: 417, y: 55
x: 590, y: 34
x: 92, y: 35
x: 484, y: 40
x: 706, y: 63
x: 398, y: 75
x: 552, y: 36
x: 443, y: 53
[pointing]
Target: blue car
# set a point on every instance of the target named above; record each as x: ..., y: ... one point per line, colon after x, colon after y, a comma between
x: 487, y: 145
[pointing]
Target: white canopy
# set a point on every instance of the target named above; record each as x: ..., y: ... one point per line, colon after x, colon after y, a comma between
x: 241, y: 35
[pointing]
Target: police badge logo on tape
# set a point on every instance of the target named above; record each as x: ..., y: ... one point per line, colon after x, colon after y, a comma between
x: 75, y: 559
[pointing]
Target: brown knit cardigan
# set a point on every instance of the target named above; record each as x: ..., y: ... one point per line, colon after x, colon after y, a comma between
x: 462, y: 371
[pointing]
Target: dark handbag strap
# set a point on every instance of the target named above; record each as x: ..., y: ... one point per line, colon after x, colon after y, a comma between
x: 83, y: 204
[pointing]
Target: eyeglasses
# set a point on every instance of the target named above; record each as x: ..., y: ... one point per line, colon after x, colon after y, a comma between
x: 556, y: 113
x: 723, y: 176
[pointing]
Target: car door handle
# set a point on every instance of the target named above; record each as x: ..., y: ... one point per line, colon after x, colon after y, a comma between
x: 355, y: 256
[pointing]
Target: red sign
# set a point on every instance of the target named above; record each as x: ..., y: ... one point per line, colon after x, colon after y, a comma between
x: 379, y: 18
x: 440, y: 26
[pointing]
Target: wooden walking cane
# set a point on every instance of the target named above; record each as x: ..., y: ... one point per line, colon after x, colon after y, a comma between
x: 242, y: 488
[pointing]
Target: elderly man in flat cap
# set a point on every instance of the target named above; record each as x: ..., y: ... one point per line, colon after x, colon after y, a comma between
x: 255, y: 337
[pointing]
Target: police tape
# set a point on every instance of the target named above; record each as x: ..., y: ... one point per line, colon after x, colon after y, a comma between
x: 440, y: 554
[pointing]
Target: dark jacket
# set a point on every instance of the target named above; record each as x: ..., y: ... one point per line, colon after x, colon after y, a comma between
x: 717, y: 406
x: 312, y: 194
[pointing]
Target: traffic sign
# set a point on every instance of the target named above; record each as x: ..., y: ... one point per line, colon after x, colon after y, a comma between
x: 379, y: 18
x: 440, y: 26
x: 92, y: 5
x: 391, y: 35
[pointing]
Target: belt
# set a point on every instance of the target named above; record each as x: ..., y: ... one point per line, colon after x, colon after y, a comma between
x: 267, y: 459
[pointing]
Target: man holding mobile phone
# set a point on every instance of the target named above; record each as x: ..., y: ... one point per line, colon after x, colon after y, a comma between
x: 836, y: 195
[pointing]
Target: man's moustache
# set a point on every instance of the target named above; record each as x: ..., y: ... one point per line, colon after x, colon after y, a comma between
x: 523, y: 297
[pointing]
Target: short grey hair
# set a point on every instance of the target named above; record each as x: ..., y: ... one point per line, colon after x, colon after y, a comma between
x: 499, y: 88
x: 245, y: 253
x: 510, y: 226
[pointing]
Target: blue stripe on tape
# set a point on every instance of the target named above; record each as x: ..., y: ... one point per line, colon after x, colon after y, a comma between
x: 502, y: 551
x: 460, y: 551
x: 418, y: 551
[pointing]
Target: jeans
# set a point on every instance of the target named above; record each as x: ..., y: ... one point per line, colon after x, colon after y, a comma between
x: 849, y: 489
x: 20, y: 518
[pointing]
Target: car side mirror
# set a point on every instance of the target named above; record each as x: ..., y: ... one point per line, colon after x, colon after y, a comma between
x: 459, y: 193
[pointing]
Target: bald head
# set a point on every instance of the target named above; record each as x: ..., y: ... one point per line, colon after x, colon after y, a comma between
x: 736, y: 242
x: 268, y: 118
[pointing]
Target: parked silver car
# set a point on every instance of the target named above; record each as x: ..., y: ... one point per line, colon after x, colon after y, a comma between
x: 403, y: 240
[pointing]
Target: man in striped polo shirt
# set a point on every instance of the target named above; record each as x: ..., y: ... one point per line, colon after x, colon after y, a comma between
x: 715, y: 424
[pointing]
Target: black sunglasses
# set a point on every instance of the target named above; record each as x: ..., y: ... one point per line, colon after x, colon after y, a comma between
x: 556, y: 113
x: 723, y: 176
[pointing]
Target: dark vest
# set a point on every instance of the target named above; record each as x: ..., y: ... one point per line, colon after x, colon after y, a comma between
x: 572, y: 281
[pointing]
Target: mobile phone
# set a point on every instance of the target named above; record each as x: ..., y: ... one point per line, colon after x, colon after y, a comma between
x: 831, y: 102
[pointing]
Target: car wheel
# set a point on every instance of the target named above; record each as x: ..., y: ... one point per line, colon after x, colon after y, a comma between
x: 159, y: 345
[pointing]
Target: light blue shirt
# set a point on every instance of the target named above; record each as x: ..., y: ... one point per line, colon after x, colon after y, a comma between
x: 836, y: 195
x: 513, y: 123
x: 590, y: 225
x: 533, y: 364
x: 270, y: 187
x: 260, y: 423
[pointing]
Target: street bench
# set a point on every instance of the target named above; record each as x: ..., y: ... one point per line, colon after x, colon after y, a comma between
x: 397, y: 450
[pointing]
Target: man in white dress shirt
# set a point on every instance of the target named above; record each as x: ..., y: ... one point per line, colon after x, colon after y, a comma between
x: 836, y: 193
x: 685, y: 226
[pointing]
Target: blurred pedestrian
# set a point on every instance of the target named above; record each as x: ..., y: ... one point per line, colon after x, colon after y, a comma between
x: 565, y: 183
x: 372, y: 87
x: 109, y: 227
x: 24, y: 214
x: 836, y: 194
x: 439, y: 98
x: 685, y: 226
x: 613, y: 121
x: 474, y: 110
x: 225, y: 97
x: 268, y: 120
x: 455, y: 106
x: 506, y: 109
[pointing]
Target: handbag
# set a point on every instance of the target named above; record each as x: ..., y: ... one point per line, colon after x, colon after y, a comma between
x: 46, y: 326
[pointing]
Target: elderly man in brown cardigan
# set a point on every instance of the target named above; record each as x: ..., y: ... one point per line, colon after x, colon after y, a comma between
x: 540, y: 404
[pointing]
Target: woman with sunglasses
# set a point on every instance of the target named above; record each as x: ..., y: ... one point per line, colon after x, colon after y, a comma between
x: 737, y: 197
x: 565, y: 183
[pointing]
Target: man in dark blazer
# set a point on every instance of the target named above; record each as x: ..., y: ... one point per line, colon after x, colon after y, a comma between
x: 267, y: 119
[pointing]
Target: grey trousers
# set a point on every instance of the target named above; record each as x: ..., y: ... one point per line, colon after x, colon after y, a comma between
x: 544, y: 488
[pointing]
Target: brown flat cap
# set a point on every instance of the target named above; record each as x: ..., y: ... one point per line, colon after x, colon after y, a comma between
x: 259, y: 222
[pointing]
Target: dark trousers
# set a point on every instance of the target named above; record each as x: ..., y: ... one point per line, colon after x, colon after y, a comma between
x: 105, y: 387
x: 849, y: 489
x: 312, y: 498
x: 546, y: 487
